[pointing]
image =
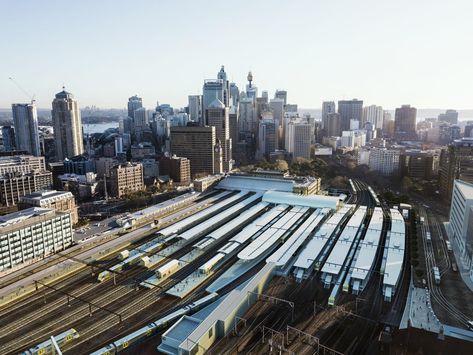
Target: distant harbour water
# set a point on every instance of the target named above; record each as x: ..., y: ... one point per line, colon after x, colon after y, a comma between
x: 98, y: 127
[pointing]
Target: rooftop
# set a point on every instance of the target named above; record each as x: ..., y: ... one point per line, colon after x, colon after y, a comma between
x: 465, y: 188
x: 21, y: 216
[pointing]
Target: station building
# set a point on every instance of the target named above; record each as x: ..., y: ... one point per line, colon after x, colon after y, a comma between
x: 33, y: 234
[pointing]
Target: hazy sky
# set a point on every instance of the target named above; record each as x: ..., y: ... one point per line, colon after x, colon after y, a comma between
x: 386, y: 52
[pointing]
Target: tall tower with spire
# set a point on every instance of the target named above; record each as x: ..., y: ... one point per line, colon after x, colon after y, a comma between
x: 251, y: 91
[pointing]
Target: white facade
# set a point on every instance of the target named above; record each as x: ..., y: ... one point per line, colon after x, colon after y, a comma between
x: 25, y: 120
x: 363, y: 156
x: 33, y: 233
x: 195, y: 108
x: 460, y: 226
x: 353, y: 139
x: 247, y: 115
x: 385, y: 161
x: 373, y: 114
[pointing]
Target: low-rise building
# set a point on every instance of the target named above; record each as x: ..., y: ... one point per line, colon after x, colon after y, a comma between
x: 32, y: 234
x: 82, y: 187
x: 203, y: 184
x: 385, y: 161
x: 62, y: 201
x: 126, y: 178
x: 15, y: 185
x: 178, y: 169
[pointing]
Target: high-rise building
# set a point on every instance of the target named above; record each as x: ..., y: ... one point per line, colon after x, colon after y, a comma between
x: 226, y: 86
x: 8, y: 137
x: 460, y: 225
x: 327, y: 108
x: 350, y: 110
x: 216, y: 115
x: 267, y: 139
x: 134, y: 103
x: 140, y: 123
x: 450, y: 116
x: 17, y: 184
x: 334, y: 124
x: 33, y: 234
x: 298, y: 136
x: 388, y: 124
x: 405, y: 122
x: 247, y: 120
x: 67, y: 126
x: 281, y: 94
x: 195, y: 108
x: 25, y: 120
x: 277, y: 108
x: 198, y: 145
x: 251, y: 90
x: 234, y: 95
x: 417, y: 164
x: 373, y: 114
x: 126, y: 178
x: 456, y: 162
x: 213, y: 88
x: 233, y: 122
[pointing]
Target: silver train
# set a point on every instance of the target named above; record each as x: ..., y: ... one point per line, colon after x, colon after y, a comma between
x: 46, y: 346
x: 150, y: 329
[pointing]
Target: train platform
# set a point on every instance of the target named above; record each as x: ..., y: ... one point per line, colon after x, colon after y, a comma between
x: 418, y: 312
x: 189, y: 284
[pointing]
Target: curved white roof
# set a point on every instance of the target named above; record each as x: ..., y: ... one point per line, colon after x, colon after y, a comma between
x: 289, y: 198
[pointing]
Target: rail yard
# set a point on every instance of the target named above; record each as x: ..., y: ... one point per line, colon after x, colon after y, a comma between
x: 302, y: 274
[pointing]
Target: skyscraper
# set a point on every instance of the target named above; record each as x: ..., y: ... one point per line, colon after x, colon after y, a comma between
x: 281, y: 94
x: 405, y: 122
x: 67, y: 126
x: 234, y: 94
x: 333, y: 127
x: 198, y: 144
x: 373, y: 114
x: 195, y: 108
x: 350, y: 110
x: 216, y: 115
x: 25, y: 120
x: 8, y: 136
x: 267, y: 137
x: 298, y: 138
x: 134, y: 103
x: 450, y: 116
x: 226, y: 86
x: 247, y: 115
x: 251, y: 90
x: 140, y: 123
x: 327, y: 107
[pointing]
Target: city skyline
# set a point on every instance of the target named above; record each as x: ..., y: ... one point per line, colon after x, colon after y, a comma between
x: 177, y: 52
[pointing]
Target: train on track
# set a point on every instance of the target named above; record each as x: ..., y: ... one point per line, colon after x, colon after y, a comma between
x: 46, y: 347
x: 153, y: 327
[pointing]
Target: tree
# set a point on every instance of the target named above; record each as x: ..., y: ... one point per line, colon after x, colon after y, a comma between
x: 282, y: 165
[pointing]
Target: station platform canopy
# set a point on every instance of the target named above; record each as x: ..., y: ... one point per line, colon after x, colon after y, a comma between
x: 291, y: 199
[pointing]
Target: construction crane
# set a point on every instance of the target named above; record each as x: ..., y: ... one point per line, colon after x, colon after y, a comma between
x: 30, y: 97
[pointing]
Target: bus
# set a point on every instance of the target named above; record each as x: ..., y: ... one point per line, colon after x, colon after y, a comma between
x: 436, y: 273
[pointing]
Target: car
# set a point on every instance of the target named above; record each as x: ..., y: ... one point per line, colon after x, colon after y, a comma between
x: 470, y: 324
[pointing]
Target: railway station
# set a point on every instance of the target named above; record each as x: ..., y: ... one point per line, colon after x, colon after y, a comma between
x: 202, y: 253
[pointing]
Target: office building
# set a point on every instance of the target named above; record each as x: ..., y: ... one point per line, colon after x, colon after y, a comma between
x: 417, y: 164
x: 62, y: 201
x: 328, y: 107
x: 216, y: 115
x: 405, y: 123
x: 298, y: 137
x: 234, y: 95
x: 213, y: 89
x: 350, y: 110
x: 67, y: 126
x: 333, y: 124
x: 79, y: 165
x: 140, y: 124
x: 198, y: 144
x: 276, y: 106
x: 126, y: 178
x: 460, y: 225
x: 17, y: 184
x: 83, y: 187
x: 388, y: 124
x: 267, y: 138
x: 177, y: 168
x: 195, y: 108
x: 8, y: 137
x: 450, y: 116
x: 373, y: 114
x: 33, y: 234
x: 247, y: 120
x: 134, y: 103
x: 353, y: 139
x: 25, y: 120
x: 282, y: 95
x: 233, y: 122
x: 21, y: 163
x: 385, y: 161
x: 456, y: 162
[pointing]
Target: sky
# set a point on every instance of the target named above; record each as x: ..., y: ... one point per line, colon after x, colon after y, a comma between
x: 417, y: 52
